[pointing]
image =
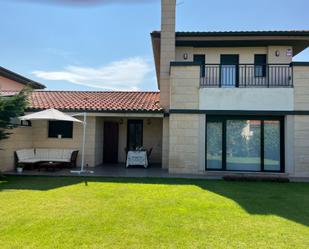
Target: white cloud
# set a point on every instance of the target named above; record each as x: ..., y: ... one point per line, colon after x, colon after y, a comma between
x: 125, y: 74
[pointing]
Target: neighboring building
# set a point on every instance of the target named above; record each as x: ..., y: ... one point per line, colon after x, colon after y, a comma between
x: 10, y: 81
x: 228, y: 102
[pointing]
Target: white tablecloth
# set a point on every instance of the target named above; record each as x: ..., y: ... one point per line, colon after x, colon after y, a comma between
x: 137, y: 158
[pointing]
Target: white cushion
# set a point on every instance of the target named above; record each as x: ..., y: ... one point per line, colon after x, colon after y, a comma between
x: 30, y: 160
x: 67, y: 154
x: 25, y: 154
x: 47, y: 155
x: 41, y: 154
x: 58, y: 160
x: 55, y: 153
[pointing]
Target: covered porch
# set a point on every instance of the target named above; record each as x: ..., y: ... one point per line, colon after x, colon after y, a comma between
x: 117, y: 122
x: 109, y: 137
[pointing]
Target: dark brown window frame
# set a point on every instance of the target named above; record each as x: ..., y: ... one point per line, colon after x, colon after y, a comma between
x: 223, y: 119
x: 52, y: 134
x: 135, y: 121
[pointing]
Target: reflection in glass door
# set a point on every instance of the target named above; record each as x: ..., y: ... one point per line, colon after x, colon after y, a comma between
x: 228, y: 75
x: 272, y: 144
x: 240, y: 143
x: 243, y: 145
x: 214, y: 145
x: 229, y: 70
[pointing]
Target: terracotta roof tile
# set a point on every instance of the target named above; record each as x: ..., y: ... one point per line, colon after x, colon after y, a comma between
x: 95, y: 101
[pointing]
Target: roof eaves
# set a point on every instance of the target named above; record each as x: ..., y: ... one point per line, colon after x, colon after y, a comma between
x: 244, y: 33
x: 157, y: 34
x: 19, y: 78
x: 94, y: 110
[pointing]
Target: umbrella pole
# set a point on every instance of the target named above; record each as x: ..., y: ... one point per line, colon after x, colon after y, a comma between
x: 82, y: 170
x: 84, y: 142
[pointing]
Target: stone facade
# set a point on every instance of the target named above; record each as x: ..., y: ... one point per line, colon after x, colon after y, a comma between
x: 186, y: 142
x: 301, y: 146
x: 301, y: 123
x: 167, y: 54
x: 21, y: 138
x: 185, y: 85
x: 301, y: 88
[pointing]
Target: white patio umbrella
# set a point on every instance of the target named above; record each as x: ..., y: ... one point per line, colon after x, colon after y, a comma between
x: 50, y: 114
x: 53, y: 114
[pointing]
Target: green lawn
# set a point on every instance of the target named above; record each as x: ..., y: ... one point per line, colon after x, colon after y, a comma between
x: 43, y: 212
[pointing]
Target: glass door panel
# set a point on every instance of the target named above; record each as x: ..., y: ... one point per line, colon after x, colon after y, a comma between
x: 228, y: 75
x: 243, y: 145
x: 272, y: 142
x: 214, y: 145
x: 229, y: 70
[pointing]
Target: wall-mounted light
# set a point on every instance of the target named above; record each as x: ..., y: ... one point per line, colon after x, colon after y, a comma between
x: 121, y: 121
x: 185, y: 56
x: 149, y: 121
x: 289, y: 52
x: 277, y: 53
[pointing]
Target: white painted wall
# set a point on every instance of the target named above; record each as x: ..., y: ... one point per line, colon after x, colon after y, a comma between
x: 264, y: 99
x: 246, y: 54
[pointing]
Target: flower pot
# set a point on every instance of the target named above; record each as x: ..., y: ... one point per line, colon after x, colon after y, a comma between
x: 19, y: 170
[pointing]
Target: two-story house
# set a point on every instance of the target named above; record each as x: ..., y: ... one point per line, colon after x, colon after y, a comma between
x: 234, y: 101
x: 228, y: 102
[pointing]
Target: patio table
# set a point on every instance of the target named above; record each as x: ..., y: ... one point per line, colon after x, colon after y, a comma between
x: 50, y: 165
x: 137, y: 158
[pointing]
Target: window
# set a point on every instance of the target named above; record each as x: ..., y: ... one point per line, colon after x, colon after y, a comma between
x: 135, y: 134
x: 63, y: 129
x: 238, y: 143
x: 260, y: 65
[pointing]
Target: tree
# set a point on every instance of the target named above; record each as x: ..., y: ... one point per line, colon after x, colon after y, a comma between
x: 11, y: 107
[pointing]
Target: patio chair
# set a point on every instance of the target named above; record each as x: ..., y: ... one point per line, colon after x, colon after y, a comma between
x: 149, y: 154
x: 73, y: 159
x: 126, y: 152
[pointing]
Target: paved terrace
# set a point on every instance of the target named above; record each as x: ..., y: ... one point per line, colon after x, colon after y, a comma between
x: 120, y: 170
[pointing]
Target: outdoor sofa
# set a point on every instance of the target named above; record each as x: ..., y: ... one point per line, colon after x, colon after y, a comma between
x: 34, y: 156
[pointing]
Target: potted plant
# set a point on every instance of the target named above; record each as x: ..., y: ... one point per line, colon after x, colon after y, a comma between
x: 20, y: 168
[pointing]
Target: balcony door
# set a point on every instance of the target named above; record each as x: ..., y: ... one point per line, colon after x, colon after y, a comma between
x: 229, y: 70
x: 200, y: 58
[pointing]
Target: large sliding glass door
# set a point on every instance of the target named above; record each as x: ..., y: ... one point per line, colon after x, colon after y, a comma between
x: 244, y: 143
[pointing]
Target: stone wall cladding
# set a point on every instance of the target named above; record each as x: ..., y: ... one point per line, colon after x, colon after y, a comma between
x: 21, y: 138
x: 301, y: 146
x: 301, y: 123
x: 185, y: 143
x: 301, y: 88
x: 185, y: 84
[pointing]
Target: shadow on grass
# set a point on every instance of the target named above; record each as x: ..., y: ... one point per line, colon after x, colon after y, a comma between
x: 287, y: 200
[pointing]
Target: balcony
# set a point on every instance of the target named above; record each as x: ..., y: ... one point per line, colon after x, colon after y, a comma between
x: 247, y: 76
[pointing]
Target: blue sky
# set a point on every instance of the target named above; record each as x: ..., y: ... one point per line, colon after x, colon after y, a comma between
x: 106, y: 45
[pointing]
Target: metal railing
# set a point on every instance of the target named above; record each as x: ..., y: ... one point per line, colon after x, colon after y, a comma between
x: 247, y: 75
